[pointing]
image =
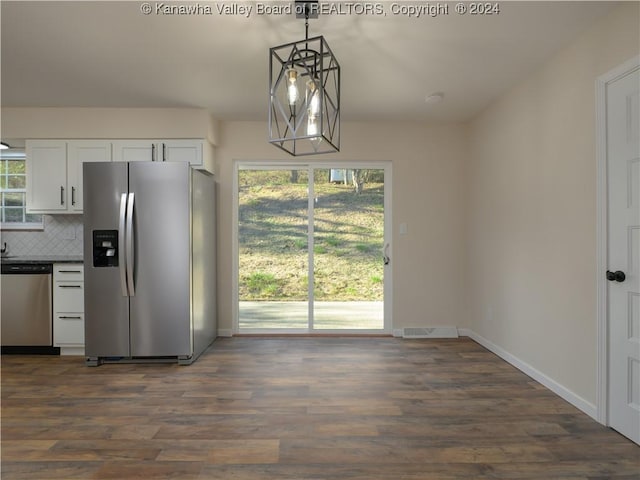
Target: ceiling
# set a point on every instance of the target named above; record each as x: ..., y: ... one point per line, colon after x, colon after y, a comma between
x: 109, y: 54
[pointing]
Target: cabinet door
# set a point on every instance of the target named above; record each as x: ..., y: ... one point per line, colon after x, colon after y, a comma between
x: 46, y: 165
x: 189, y: 151
x: 135, y: 151
x: 79, y: 152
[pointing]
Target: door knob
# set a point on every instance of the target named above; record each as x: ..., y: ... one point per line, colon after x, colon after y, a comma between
x: 617, y: 276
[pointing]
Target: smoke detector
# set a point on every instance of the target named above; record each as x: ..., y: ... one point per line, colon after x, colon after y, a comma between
x: 434, y: 98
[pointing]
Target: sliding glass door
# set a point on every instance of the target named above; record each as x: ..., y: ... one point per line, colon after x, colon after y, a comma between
x: 273, y: 249
x: 348, y: 244
x: 312, y: 248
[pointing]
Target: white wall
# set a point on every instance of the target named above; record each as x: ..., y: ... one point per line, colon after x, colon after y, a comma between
x: 427, y: 162
x: 532, y: 209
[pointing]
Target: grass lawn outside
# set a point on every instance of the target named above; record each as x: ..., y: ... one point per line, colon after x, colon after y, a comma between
x: 273, y: 244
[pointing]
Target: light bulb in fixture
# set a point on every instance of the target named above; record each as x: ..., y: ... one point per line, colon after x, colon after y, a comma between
x: 292, y: 86
x: 313, y: 111
x: 313, y: 99
x: 312, y: 126
x: 313, y: 130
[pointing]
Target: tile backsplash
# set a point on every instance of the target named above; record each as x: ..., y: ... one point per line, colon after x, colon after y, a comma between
x: 62, y: 235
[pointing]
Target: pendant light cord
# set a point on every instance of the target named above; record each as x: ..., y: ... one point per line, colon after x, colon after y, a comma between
x: 306, y: 24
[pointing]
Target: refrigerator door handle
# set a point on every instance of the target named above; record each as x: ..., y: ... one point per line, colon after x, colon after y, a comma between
x: 121, y: 242
x: 130, y: 245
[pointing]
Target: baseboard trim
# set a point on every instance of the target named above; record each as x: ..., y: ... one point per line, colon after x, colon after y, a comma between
x: 225, y: 332
x: 72, y: 351
x: 560, y: 390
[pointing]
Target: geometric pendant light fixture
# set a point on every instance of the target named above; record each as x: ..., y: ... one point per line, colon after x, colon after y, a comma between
x: 304, y: 93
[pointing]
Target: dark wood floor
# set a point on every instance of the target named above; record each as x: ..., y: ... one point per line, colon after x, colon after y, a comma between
x: 301, y: 408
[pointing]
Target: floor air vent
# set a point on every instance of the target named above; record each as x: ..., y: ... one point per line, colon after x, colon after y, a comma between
x: 432, y: 332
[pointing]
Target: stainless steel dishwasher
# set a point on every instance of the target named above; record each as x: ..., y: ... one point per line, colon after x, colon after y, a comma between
x: 26, y: 306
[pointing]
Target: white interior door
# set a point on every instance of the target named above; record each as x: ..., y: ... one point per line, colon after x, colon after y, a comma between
x: 623, y: 167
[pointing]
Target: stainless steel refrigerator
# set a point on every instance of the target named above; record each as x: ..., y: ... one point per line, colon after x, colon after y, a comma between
x: 149, y: 256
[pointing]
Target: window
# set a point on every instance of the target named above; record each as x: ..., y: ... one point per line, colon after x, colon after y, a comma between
x: 13, y: 182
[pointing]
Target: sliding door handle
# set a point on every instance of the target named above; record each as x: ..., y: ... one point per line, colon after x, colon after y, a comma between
x: 385, y: 254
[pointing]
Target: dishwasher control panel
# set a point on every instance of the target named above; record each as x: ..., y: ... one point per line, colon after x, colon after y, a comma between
x: 27, y: 268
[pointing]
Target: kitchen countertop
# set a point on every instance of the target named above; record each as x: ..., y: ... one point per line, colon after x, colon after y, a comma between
x: 42, y: 259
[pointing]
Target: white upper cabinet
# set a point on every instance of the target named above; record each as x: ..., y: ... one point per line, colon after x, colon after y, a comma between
x: 79, y: 152
x: 46, y: 166
x: 54, y: 167
x: 134, y: 150
x: 54, y: 173
x: 182, y: 151
x: 197, y: 152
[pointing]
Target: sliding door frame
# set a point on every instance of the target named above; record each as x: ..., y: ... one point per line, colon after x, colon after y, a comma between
x: 310, y: 166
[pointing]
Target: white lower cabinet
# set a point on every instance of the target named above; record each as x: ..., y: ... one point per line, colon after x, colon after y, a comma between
x: 68, y: 308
